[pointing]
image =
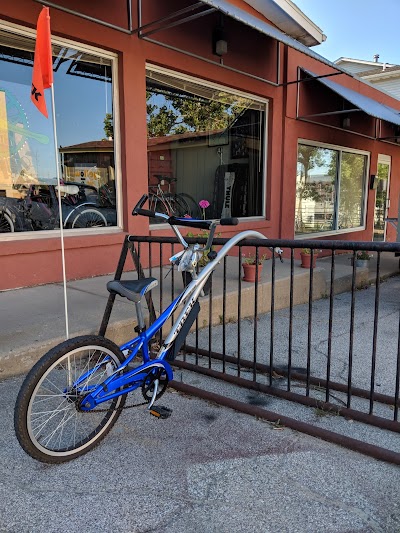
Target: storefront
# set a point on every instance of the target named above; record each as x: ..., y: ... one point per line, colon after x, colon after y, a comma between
x: 186, y: 102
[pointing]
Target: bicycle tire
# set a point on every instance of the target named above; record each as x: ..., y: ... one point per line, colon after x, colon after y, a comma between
x: 47, y: 422
x: 194, y: 208
x: 6, y: 221
x: 89, y: 217
x: 158, y: 205
x: 179, y: 206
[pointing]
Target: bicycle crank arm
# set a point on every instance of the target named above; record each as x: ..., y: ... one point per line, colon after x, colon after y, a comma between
x: 153, y: 398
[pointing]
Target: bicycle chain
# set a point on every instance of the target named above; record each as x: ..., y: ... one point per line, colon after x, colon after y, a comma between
x: 116, y: 409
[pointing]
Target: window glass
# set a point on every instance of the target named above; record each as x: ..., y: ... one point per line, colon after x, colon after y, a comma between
x: 330, y: 189
x: 204, y: 143
x: 315, y: 189
x: 352, y: 186
x: 28, y: 177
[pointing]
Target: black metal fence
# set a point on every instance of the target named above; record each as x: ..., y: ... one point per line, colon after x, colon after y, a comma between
x: 326, y: 337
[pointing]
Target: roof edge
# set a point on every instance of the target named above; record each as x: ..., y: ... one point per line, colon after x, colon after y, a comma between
x: 290, y: 19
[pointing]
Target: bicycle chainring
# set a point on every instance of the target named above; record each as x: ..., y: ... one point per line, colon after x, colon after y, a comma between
x: 148, y: 384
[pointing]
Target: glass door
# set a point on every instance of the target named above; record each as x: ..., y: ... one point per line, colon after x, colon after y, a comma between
x: 381, y: 198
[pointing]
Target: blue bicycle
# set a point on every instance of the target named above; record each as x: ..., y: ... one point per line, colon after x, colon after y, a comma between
x: 75, y: 393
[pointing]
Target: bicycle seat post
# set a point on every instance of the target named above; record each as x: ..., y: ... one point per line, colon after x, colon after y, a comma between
x: 139, y: 315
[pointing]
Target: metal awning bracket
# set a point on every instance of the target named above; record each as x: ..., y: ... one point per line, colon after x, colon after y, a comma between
x: 342, y: 112
x: 160, y: 23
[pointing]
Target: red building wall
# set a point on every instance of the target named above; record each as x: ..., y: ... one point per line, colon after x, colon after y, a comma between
x: 32, y: 260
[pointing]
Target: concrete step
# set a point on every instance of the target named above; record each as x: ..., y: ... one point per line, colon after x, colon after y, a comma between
x: 33, y: 319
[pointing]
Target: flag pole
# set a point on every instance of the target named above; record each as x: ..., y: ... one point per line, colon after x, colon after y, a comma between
x: 61, y: 215
x: 42, y: 78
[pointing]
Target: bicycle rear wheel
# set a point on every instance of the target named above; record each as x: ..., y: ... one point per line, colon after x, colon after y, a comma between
x: 178, y: 204
x: 193, y: 206
x: 47, y: 420
x: 159, y: 206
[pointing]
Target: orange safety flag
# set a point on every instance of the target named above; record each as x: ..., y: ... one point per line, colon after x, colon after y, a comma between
x: 42, y: 77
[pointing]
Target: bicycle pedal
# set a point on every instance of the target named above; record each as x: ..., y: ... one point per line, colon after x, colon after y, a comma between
x: 161, y: 412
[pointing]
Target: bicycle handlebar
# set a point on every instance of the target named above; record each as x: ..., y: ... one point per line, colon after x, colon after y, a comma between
x: 201, y: 224
x: 178, y: 221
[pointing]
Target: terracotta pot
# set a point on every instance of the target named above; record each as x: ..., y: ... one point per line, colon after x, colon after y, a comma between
x: 306, y: 260
x: 249, y: 272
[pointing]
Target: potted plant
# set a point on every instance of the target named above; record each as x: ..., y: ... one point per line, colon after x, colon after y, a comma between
x: 362, y: 258
x: 250, y: 269
x: 305, y: 255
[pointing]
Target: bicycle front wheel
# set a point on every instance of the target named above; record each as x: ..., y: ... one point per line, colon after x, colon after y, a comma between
x: 47, y: 420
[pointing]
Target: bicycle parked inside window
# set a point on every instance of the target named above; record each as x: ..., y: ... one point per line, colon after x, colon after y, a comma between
x: 171, y: 203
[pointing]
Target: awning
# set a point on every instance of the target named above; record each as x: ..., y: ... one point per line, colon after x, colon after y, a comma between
x: 363, y: 103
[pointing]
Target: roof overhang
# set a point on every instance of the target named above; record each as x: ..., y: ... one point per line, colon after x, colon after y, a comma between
x: 289, y: 19
x: 358, y: 103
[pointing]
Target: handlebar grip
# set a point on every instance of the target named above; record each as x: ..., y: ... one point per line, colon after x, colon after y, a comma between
x: 144, y: 212
x: 229, y: 221
x: 141, y: 202
x: 190, y: 222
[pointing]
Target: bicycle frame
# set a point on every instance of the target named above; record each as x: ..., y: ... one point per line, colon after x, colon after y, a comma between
x: 133, y: 379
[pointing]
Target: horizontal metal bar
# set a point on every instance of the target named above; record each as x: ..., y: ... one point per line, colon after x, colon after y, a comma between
x: 285, y: 243
x: 86, y: 17
x: 328, y: 113
x: 176, y: 23
x: 311, y: 78
x: 265, y: 369
x: 362, y: 447
x: 365, y: 418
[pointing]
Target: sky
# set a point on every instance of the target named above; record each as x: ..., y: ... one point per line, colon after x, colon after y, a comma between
x: 358, y: 29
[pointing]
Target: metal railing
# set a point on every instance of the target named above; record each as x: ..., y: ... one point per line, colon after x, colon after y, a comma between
x: 311, y: 336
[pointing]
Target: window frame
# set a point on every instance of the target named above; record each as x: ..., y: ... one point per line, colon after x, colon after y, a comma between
x: 340, y: 149
x: 113, y: 57
x: 214, y: 85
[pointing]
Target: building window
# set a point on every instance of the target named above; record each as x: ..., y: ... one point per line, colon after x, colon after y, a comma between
x: 83, y: 91
x: 330, y: 189
x: 205, y: 142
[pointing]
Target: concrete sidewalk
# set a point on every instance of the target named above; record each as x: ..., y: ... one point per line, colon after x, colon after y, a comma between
x: 33, y: 319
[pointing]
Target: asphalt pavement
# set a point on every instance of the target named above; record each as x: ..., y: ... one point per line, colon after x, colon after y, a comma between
x: 206, y: 469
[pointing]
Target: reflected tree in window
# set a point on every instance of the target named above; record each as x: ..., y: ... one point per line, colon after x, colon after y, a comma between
x: 352, y: 179
x: 314, y: 189
x: 330, y: 189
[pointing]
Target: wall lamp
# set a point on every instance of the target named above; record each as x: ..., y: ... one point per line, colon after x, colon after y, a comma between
x: 220, y: 43
x: 346, y: 123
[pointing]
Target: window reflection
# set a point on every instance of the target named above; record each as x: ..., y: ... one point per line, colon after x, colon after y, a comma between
x: 330, y: 189
x: 28, y: 177
x: 316, y: 189
x: 204, y: 143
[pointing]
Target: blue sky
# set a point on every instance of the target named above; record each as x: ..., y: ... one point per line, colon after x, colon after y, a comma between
x: 356, y: 28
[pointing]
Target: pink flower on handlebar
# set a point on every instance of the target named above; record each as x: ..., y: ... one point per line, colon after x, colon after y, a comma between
x: 204, y: 204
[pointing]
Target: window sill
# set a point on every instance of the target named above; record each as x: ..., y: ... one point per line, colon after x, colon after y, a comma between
x: 304, y: 236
